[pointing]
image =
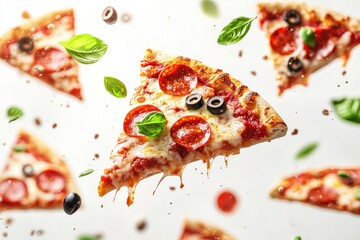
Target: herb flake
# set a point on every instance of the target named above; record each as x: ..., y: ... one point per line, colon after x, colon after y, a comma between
x: 343, y: 174
x: 357, y: 194
x: 235, y: 31
x: 210, y: 8
x: 86, y: 172
x: 306, y: 151
x: 19, y: 148
x: 14, y: 113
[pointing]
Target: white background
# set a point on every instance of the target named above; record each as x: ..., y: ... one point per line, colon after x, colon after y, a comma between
x: 180, y: 27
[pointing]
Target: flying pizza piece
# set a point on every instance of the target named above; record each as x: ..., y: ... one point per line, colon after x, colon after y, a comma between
x: 198, y: 230
x: 34, y: 49
x: 333, y: 188
x: 185, y: 111
x: 34, y: 176
x: 304, y: 38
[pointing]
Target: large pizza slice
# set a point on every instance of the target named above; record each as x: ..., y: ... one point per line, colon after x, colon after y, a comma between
x: 304, y: 38
x: 33, y: 48
x: 185, y: 111
x: 334, y: 188
x: 33, y: 176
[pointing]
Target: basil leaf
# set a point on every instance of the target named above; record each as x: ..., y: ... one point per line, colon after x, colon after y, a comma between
x: 209, y: 8
x: 235, y: 30
x: 19, y: 148
x: 308, y: 36
x: 357, y: 194
x: 343, y: 175
x: 86, y: 172
x: 85, y: 48
x: 14, y: 113
x: 348, y: 109
x: 152, y: 125
x: 306, y: 151
x: 297, y: 238
x: 88, y: 237
x: 115, y: 87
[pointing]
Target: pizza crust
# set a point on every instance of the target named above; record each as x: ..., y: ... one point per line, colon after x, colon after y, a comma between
x: 199, y: 230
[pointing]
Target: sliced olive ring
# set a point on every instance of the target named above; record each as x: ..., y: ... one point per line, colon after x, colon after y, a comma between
x: 26, y: 44
x: 295, y: 65
x: 194, y: 101
x: 292, y: 17
x: 28, y: 170
x: 109, y: 15
x: 216, y: 105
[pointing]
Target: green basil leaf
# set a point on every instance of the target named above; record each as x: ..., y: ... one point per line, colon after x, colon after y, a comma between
x: 19, y: 148
x: 85, y: 48
x: 357, y: 194
x: 308, y: 36
x: 297, y: 238
x: 88, y: 237
x: 306, y: 151
x: 210, y: 8
x: 235, y: 30
x: 14, y: 113
x: 343, y: 175
x: 348, y: 109
x: 115, y: 87
x: 86, y: 172
x: 152, y: 125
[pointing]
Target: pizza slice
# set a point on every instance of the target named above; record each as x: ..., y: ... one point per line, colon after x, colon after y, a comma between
x: 333, y: 188
x: 198, y: 230
x: 185, y: 111
x: 33, y: 48
x: 304, y: 38
x: 34, y: 176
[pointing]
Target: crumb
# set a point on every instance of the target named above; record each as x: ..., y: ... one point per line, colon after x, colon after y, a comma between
x: 265, y: 57
x: 141, y: 225
x: 54, y: 125
x: 172, y: 188
x: 170, y: 203
x: 253, y: 73
x: 343, y: 73
x: 96, y: 155
x: 37, y: 121
x: 241, y: 53
x: 338, y: 85
x: 39, y: 232
x: 74, y: 229
x: 25, y: 14
x: 96, y: 136
x: 126, y: 17
x: 102, y: 206
x: 295, y: 132
x: 346, y: 82
x: 67, y: 105
x: 4, y: 144
x: 4, y: 234
x: 27, y: 81
x: 32, y: 233
x: 325, y: 112
x: 9, y: 221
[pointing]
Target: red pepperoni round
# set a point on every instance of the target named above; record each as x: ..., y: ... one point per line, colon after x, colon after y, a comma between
x: 12, y: 190
x: 226, y: 201
x: 283, y: 41
x: 323, y: 195
x: 51, y: 181
x: 178, y: 80
x: 136, y: 115
x: 191, y: 132
x: 52, y: 59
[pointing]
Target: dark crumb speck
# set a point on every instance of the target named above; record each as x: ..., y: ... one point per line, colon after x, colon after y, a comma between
x: 54, y: 125
x: 37, y: 121
x: 4, y: 234
x: 241, y: 53
x: 4, y: 144
x: 74, y: 229
x: 338, y: 85
x: 343, y: 73
x: 325, y: 112
x: 172, y: 188
x: 39, y: 232
x: 253, y: 73
x: 346, y: 82
x: 27, y: 81
x: 96, y: 155
x: 170, y: 203
x: 9, y: 221
x: 295, y: 132
x: 32, y: 233
x: 141, y: 225
x: 96, y: 136
x: 102, y: 206
x: 67, y: 105
x: 125, y: 17
x: 265, y: 57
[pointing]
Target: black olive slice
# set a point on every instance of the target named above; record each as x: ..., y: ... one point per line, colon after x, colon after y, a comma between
x: 194, y: 101
x: 292, y: 17
x: 216, y: 105
x: 26, y: 44
x: 72, y: 203
x: 109, y: 15
x: 294, y: 65
x: 28, y: 170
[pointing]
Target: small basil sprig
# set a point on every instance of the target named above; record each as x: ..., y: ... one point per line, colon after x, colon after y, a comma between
x: 348, y: 109
x: 152, y: 125
x: 89, y: 237
x: 306, y: 151
x: 343, y: 174
x: 86, y: 172
x: 210, y: 8
x: 297, y: 238
x: 19, y: 148
x: 85, y: 48
x: 14, y: 113
x: 235, y: 30
x: 115, y: 87
x: 308, y: 36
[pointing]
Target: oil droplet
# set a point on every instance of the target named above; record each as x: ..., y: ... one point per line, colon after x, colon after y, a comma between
x: 226, y: 201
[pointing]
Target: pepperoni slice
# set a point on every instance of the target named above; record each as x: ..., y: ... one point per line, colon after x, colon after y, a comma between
x: 226, y: 201
x: 52, y: 59
x: 192, y: 132
x: 12, y: 190
x: 283, y: 41
x: 136, y: 115
x: 51, y: 181
x: 178, y: 80
x: 323, y: 195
